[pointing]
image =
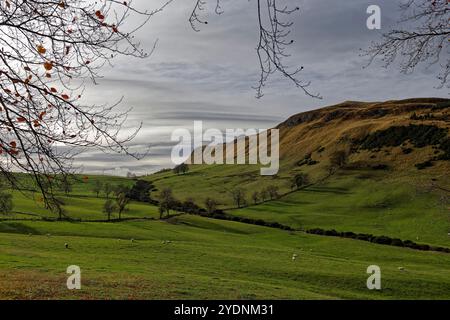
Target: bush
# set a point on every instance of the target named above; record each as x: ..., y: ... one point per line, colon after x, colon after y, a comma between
x: 380, y: 167
x: 397, y: 243
x: 384, y: 240
x: 6, y: 203
x: 141, y: 191
x: 424, y: 165
x: 419, y: 135
x: 407, y: 150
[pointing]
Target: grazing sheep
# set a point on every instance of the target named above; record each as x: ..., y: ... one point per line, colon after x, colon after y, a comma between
x: 48, y: 234
x: 294, y: 256
x: 66, y: 245
x: 401, y: 268
x: 132, y: 240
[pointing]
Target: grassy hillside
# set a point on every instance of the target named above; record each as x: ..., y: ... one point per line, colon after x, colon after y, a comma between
x: 350, y: 201
x: 378, y: 190
x: 206, y: 259
x: 307, y: 141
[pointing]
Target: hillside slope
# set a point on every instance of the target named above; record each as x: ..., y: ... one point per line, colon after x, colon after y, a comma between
x: 395, y: 137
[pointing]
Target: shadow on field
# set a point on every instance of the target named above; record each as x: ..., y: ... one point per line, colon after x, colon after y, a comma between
x: 16, y: 227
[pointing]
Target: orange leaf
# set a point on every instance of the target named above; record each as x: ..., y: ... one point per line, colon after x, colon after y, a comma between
x: 48, y: 66
x: 41, y: 49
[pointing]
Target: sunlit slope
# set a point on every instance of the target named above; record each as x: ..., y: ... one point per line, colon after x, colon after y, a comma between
x: 394, y: 136
x: 353, y: 201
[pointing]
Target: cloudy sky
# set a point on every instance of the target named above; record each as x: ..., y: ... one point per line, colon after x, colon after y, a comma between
x: 208, y: 75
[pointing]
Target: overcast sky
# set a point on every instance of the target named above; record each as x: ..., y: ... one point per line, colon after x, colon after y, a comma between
x: 208, y: 75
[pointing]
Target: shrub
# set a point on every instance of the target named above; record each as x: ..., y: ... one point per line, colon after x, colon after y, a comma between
x: 397, y: 242
x: 407, y: 150
x: 424, y: 165
x: 380, y: 167
x: 419, y: 135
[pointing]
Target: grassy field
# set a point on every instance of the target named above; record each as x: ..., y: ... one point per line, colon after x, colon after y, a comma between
x: 81, y: 203
x: 215, y: 259
x: 209, y: 258
x: 206, y: 259
x: 351, y: 202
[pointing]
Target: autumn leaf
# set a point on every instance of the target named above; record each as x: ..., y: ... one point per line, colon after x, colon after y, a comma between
x: 48, y: 66
x: 41, y: 49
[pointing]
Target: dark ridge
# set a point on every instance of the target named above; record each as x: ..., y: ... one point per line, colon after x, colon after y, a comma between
x: 364, y: 110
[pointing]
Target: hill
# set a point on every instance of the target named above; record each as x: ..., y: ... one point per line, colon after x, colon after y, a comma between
x: 407, y: 138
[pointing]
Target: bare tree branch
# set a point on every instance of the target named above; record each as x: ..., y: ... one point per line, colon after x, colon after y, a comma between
x: 48, y: 49
x: 274, y: 31
x: 423, y: 37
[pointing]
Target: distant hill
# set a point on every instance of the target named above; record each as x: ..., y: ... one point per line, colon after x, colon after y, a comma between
x: 400, y: 138
x: 399, y: 134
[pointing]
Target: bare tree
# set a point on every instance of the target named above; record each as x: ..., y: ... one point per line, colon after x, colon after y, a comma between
x: 48, y: 49
x: 273, y: 192
x: 65, y: 185
x: 97, y: 187
x: 211, y: 205
x: 108, y: 208
x: 274, y: 25
x: 255, y: 197
x: 6, y: 203
x: 264, y: 194
x: 122, y: 194
x: 300, y: 180
x: 421, y: 38
x: 107, y: 189
x: 238, y: 197
x: 166, y: 201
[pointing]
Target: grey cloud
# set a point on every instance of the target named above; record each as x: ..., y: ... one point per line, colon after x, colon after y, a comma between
x: 208, y: 75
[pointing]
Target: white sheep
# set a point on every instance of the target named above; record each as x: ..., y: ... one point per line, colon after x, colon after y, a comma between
x: 294, y: 256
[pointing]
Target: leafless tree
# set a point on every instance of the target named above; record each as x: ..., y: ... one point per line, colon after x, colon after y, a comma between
x: 272, y: 191
x: 238, y: 197
x: 166, y: 202
x: 275, y: 26
x: 255, y: 197
x: 423, y: 37
x: 48, y: 49
x: 211, y: 205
